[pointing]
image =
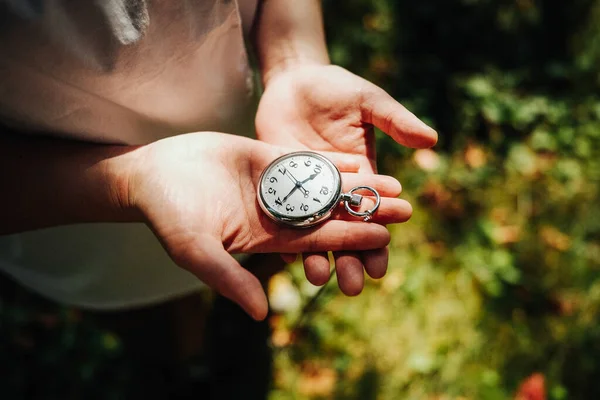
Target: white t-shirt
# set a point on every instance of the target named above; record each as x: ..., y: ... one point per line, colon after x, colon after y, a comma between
x: 116, y: 71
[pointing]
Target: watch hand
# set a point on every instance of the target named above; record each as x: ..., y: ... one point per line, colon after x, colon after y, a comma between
x: 289, y: 175
x: 309, y: 178
x: 289, y: 194
x: 296, y: 182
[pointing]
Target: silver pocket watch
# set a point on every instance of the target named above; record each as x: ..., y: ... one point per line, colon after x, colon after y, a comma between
x: 303, y: 188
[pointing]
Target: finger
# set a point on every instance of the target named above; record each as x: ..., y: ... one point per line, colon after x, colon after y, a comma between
x: 390, y: 211
x: 375, y: 262
x: 316, y: 267
x: 368, y: 165
x: 206, y: 258
x: 387, y: 186
x: 332, y: 235
x: 380, y: 109
x: 289, y: 258
x: 349, y: 270
x: 344, y: 162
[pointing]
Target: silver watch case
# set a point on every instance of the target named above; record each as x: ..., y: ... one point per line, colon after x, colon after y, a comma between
x: 313, y: 219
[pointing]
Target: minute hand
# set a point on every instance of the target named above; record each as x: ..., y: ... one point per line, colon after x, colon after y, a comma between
x: 289, y: 194
x: 296, y: 182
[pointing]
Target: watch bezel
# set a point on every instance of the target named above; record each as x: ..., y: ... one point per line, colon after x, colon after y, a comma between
x: 304, y: 221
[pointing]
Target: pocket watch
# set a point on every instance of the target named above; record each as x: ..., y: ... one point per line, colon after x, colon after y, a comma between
x: 303, y: 188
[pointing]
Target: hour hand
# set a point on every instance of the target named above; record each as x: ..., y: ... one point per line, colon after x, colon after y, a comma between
x: 310, y: 178
x: 297, y: 183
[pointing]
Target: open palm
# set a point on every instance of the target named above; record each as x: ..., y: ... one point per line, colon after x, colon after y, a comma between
x: 197, y: 192
x: 325, y: 107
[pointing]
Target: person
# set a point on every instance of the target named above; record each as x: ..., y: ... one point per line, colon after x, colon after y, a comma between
x: 120, y: 191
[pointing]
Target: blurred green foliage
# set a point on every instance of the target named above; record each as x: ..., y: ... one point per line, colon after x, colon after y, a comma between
x: 496, y: 277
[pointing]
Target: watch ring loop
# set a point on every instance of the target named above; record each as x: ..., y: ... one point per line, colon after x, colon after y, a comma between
x: 368, y: 214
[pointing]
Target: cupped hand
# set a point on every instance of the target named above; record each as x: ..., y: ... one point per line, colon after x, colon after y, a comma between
x: 197, y: 192
x: 327, y: 108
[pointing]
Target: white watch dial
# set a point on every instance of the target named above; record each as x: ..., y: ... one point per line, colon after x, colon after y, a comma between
x: 299, y: 186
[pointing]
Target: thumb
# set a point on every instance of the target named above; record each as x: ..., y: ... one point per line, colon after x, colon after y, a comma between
x: 380, y: 109
x: 206, y: 258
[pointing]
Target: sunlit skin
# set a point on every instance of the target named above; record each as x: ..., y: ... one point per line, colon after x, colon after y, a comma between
x: 198, y: 194
x: 198, y: 191
x: 325, y: 107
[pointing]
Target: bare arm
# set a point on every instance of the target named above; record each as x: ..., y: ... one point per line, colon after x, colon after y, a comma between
x: 289, y: 33
x: 195, y: 191
x: 49, y: 182
x: 308, y: 103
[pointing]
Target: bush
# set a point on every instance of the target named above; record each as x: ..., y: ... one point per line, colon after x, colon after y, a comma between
x: 495, y: 279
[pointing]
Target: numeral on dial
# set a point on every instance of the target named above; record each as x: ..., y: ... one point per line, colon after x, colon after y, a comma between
x: 272, y: 191
x: 273, y: 179
x: 293, y: 164
x: 324, y: 190
x: 307, y: 163
x: 290, y: 207
x: 304, y: 207
x: 282, y: 170
x: 318, y: 168
x: 278, y: 201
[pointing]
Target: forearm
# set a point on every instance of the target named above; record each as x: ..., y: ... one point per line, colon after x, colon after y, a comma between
x: 288, y: 33
x: 50, y: 182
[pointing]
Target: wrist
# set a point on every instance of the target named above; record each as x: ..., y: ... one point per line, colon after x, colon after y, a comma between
x: 289, y: 34
x: 119, y: 173
x: 60, y: 182
x: 288, y: 62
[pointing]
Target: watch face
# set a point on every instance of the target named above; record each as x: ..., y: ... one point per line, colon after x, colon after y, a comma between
x: 300, y: 188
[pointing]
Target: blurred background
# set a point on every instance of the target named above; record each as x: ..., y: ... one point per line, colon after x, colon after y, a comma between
x: 493, y: 290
